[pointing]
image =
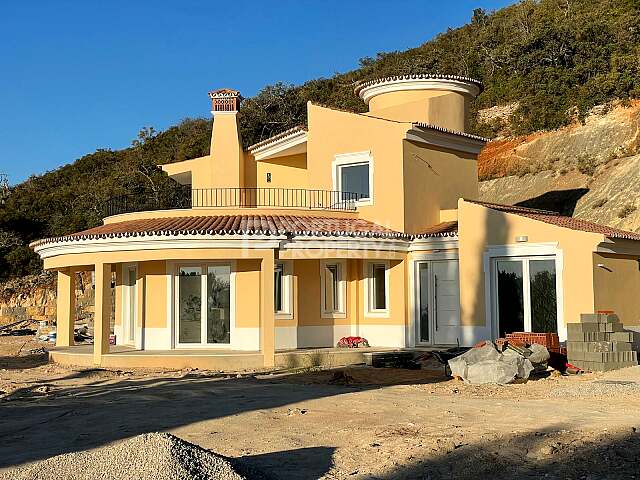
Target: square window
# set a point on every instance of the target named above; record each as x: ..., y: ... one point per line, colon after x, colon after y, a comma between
x: 355, y: 179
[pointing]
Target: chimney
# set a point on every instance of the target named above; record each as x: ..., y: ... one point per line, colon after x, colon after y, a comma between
x: 227, y: 154
x: 225, y: 100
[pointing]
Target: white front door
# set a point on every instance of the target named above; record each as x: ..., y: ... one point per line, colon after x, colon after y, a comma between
x: 438, y: 301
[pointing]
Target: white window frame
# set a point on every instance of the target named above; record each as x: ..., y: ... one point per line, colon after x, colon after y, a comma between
x: 176, y: 305
x: 287, y: 291
x: 350, y: 159
x: 341, y: 311
x: 126, y: 299
x: 370, y: 310
x: 518, y: 252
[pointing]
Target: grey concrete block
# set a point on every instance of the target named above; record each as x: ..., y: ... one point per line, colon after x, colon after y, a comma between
x: 621, y: 346
x: 610, y: 357
x: 579, y: 328
x: 599, y: 318
x: 624, y: 336
x: 609, y: 327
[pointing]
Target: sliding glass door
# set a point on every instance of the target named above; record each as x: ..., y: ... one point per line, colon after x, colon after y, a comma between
x: 525, y: 294
x: 203, y: 305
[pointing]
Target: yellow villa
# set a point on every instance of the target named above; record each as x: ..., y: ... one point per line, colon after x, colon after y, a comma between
x: 353, y: 225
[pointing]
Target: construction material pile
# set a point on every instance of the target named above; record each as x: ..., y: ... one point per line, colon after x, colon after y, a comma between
x: 485, y: 364
x: 152, y: 456
x: 599, y: 343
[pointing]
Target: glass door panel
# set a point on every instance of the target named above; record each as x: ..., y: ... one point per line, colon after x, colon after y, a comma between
x: 510, y: 295
x: 132, y: 305
x: 218, y: 304
x: 423, y: 292
x: 544, y: 302
x: 190, y: 305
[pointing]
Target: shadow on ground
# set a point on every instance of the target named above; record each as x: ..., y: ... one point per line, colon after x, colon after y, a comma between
x: 550, y: 453
x: 21, y: 362
x: 50, y: 418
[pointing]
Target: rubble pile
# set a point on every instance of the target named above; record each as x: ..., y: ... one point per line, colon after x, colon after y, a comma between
x: 485, y: 364
x: 151, y: 456
x: 600, y: 343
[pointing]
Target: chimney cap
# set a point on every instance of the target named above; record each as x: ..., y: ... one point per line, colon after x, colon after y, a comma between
x: 225, y: 100
x: 224, y: 93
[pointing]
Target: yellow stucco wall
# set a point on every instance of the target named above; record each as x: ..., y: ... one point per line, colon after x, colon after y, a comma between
x: 154, y: 281
x: 441, y: 108
x: 286, y: 172
x: 434, y: 180
x: 247, y: 291
x: 617, y: 285
x: 334, y: 132
x: 480, y: 226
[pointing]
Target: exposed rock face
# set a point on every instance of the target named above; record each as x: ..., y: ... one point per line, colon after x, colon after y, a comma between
x: 34, y: 297
x: 596, y: 165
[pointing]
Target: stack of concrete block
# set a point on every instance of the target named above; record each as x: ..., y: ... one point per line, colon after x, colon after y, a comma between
x: 600, y: 343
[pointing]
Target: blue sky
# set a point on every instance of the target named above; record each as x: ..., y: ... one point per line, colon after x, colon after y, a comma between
x: 81, y: 75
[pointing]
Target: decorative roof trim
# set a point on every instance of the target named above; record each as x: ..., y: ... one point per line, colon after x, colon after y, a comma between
x: 289, y: 144
x: 371, y: 88
x: 430, y: 126
x: 292, y: 132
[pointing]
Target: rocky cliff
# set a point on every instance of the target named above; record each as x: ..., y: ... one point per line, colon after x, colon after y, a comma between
x: 590, y: 170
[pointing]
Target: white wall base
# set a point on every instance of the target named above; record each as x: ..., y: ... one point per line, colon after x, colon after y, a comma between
x: 377, y: 335
x: 117, y: 331
x: 156, y: 338
x: 382, y: 335
x: 470, y: 335
x: 286, y: 338
x: 245, y: 339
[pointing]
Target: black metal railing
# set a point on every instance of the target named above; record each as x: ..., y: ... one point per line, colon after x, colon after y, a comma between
x: 238, y: 198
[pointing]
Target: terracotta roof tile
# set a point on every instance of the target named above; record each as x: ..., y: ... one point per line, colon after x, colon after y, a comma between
x: 234, y: 225
x: 443, y: 229
x: 554, y: 218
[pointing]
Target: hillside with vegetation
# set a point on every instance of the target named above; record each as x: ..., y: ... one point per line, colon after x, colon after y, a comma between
x: 550, y: 61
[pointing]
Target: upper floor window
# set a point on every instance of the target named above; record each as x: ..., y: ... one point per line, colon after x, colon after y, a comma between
x: 353, y: 174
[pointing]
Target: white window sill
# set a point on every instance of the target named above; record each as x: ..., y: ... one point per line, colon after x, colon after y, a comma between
x: 334, y: 315
x: 377, y: 314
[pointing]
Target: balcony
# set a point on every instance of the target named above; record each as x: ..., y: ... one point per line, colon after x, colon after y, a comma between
x: 295, y: 198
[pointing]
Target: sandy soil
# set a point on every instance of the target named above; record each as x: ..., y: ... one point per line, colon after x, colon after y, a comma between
x: 375, y: 424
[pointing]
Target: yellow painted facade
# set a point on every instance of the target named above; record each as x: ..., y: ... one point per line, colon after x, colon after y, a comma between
x: 417, y: 180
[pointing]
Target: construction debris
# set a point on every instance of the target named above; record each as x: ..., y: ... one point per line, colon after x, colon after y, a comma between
x: 486, y: 364
x: 152, y: 456
x: 599, y: 343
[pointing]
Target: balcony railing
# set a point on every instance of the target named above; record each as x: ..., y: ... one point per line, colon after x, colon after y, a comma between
x: 238, y: 198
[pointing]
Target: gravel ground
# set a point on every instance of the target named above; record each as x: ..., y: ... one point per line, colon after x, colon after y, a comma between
x: 152, y: 456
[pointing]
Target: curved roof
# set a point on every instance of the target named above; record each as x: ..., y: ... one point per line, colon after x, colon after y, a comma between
x: 232, y: 225
x: 419, y: 76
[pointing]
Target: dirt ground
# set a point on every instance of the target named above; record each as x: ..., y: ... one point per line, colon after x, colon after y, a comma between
x: 371, y: 424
